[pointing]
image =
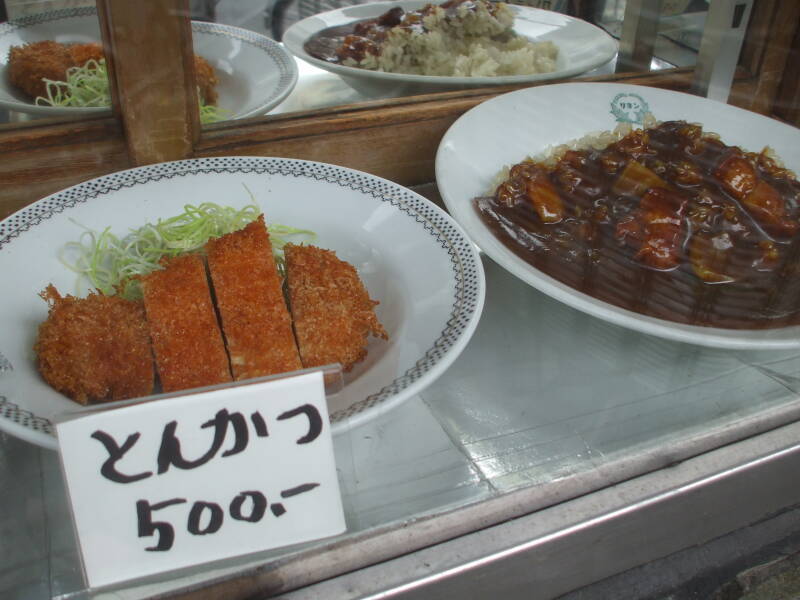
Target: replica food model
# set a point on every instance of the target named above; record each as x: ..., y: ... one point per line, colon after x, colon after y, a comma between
x: 206, y: 318
x: 460, y: 38
x: 74, y: 75
x: 667, y: 221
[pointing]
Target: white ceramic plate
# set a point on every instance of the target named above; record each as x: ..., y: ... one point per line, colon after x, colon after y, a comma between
x: 255, y: 73
x: 414, y: 259
x: 504, y: 130
x: 582, y: 47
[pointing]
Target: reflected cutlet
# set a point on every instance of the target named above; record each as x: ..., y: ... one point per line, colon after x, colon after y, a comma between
x: 248, y: 290
x: 183, y: 326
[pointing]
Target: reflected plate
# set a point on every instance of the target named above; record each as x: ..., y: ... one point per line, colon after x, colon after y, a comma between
x: 504, y: 130
x: 386, y: 231
x: 581, y: 46
x: 255, y: 73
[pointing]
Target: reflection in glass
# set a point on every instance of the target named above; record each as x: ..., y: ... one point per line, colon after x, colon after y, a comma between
x: 246, y: 70
x: 51, y: 60
x: 322, y: 85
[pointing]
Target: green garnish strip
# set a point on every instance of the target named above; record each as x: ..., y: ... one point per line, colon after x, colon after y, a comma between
x: 87, y: 87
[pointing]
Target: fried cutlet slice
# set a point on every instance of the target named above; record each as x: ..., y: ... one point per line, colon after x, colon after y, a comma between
x: 332, y: 311
x: 206, y: 80
x: 83, y: 53
x: 30, y: 63
x: 183, y: 326
x: 255, y: 322
x: 95, y: 348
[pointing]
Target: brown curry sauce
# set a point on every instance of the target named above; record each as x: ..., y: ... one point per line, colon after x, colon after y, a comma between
x: 667, y: 222
x: 358, y: 39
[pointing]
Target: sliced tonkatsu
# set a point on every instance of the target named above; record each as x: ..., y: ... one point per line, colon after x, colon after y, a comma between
x: 332, y: 311
x: 248, y: 290
x: 187, y: 341
x: 209, y: 318
x: 95, y: 349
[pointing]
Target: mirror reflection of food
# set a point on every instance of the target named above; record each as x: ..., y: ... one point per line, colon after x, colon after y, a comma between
x: 209, y: 317
x: 32, y: 65
x: 461, y: 38
x: 666, y: 221
x: 56, y: 74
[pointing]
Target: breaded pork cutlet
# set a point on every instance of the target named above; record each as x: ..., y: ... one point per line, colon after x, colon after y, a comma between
x: 95, y: 348
x: 207, y: 80
x: 183, y: 326
x: 30, y: 63
x: 332, y: 311
x: 83, y: 53
x: 248, y: 290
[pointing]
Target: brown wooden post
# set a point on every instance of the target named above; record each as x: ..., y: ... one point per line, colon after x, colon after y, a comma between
x: 773, y: 68
x: 149, y: 44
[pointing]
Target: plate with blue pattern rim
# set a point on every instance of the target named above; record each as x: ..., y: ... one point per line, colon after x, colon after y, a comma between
x: 255, y: 73
x: 413, y: 258
x: 581, y: 48
x: 510, y: 127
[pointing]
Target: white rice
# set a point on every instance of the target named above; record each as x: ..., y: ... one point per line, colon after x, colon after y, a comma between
x: 473, y: 44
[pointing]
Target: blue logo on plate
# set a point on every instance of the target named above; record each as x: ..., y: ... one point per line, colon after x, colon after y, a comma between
x: 629, y: 108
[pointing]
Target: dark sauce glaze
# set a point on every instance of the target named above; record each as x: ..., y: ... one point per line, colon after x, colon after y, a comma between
x: 356, y: 40
x: 696, y: 244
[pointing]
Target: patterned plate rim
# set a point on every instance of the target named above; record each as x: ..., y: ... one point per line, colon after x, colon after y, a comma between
x: 283, y: 58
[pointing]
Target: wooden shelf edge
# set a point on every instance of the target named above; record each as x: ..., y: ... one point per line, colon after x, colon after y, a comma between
x: 396, y: 139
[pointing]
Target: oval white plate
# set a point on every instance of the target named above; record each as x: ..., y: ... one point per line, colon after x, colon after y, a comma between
x: 582, y: 47
x: 255, y: 73
x: 414, y: 259
x: 504, y: 130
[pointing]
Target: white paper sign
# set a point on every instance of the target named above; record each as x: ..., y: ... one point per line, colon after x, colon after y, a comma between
x: 182, y: 481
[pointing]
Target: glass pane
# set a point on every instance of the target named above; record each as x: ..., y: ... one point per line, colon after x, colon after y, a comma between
x: 331, y: 72
x: 679, y: 33
x: 550, y: 396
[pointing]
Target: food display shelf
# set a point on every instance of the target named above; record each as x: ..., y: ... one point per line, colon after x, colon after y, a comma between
x: 557, y: 450
x: 551, y: 423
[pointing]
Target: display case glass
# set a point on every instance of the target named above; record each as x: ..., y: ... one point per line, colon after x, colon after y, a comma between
x: 527, y: 416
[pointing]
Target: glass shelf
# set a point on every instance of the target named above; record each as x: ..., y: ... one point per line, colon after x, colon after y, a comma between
x: 565, y: 406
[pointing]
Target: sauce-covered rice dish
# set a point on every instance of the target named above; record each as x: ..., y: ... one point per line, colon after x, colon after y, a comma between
x: 667, y: 221
x: 461, y: 38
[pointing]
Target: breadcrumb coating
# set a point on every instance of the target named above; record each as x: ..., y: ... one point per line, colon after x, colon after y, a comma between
x: 30, y: 63
x: 207, y: 80
x: 193, y: 332
x: 332, y: 311
x: 96, y: 348
x: 83, y: 53
x: 248, y: 290
x: 183, y: 325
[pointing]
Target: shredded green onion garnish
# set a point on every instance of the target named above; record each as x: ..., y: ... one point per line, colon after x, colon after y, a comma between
x: 87, y: 86
x: 111, y: 264
x: 210, y: 113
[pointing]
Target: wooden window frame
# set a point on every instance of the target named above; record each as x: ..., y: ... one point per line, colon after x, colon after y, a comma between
x: 396, y: 139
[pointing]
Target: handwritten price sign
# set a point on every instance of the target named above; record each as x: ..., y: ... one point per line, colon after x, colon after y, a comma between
x: 190, y: 479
